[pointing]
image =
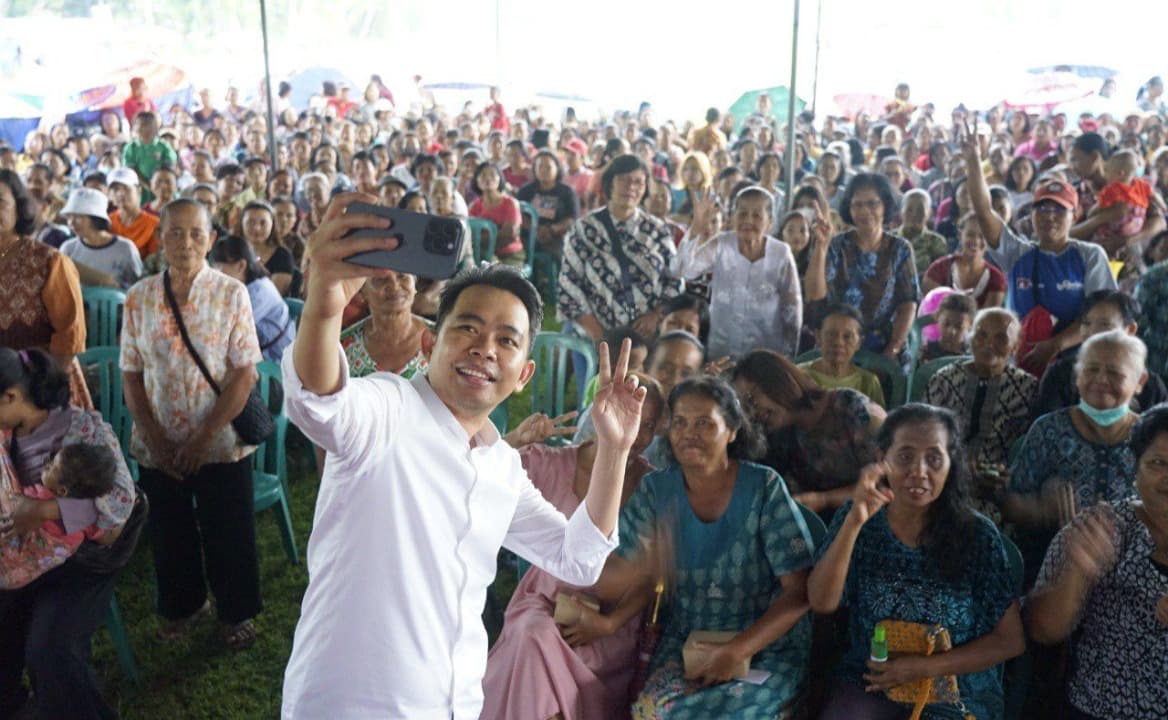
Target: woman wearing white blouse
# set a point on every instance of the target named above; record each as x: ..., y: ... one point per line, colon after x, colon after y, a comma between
x: 755, y: 297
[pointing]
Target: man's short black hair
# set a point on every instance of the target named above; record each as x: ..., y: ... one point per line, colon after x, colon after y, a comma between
x: 501, y: 277
x: 228, y: 170
x: 88, y: 471
x: 1088, y: 143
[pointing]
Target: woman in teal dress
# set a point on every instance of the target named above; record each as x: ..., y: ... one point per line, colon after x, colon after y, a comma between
x: 742, y: 553
x: 909, y: 547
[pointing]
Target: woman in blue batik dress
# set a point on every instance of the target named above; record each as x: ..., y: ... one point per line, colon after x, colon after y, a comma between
x: 741, y: 551
x: 910, y: 548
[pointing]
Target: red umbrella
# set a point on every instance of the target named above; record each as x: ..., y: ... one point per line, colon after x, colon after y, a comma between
x: 1045, y: 91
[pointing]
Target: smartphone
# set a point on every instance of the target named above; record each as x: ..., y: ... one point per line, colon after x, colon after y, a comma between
x: 428, y: 246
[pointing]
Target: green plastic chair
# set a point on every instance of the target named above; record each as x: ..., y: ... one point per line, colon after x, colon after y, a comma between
x: 915, y: 338
x: 484, y: 236
x: 815, y: 524
x: 270, y: 464
x: 101, y: 363
x: 295, y: 309
x: 892, y: 379
x: 553, y: 362
x: 527, y: 212
x: 919, y: 385
x: 103, y: 315
x: 121, y: 640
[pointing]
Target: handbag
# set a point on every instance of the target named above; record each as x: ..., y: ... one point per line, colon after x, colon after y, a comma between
x: 1037, y: 325
x: 920, y: 639
x: 254, y: 423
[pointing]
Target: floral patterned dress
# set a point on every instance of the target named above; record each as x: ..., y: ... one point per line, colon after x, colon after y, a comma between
x: 361, y: 363
x: 728, y: 575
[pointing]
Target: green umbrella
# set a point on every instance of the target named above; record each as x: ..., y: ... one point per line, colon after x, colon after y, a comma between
x: 745, y: 105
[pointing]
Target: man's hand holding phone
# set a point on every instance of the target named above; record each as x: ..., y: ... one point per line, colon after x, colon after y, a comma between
x: 332, y: 282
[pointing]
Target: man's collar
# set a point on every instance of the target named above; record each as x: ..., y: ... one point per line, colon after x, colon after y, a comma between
x: 486, y: 436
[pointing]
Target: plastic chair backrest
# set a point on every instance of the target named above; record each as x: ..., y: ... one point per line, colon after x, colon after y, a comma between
x: 482, y: 247
x: 1017, y: 565
x: 815, y: 524
x: 270, y: 457
x: 295, y: 309
x: 921, y: 376
x: 109, y: 401
x: 553, y: 360
x: 528, y: 212
x: 915, y: 339
x: 103, y: 315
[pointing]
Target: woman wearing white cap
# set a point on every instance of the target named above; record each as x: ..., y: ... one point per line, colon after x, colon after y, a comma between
x: 102, y: 258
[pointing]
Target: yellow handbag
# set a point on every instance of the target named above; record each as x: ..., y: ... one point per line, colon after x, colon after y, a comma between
x: 920, y: 639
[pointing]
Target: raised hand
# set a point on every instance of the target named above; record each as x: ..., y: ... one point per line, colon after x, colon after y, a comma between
x: 872, y: 492
x: 719, y: 366
x: 820, y: 232
x: 970, y: 146
x: 703, y: 212
x: 332, y: 282
x: 1091, y: 542
x: 539, y: 427
x: 616, y: 411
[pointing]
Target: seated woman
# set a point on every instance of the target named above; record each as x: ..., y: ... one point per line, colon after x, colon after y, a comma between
x: 867, y: 267
x: 822, y: 437
x: 1103, y: 310
x: 503, y: 210
x: 838, y: 337
x: 1082, y: 453
x: 538, y: 669
x: 756, y: 300
x: 990, y: 397
x: 257, y: 225
x: 1106, y: 578
x: 910, y: 548
x: 275, y: 329
x: 390, y: 339
x: 967, y: 270
x: 742, y: 551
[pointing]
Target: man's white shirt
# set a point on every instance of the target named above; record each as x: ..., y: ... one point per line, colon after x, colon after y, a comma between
x: 408, y: 522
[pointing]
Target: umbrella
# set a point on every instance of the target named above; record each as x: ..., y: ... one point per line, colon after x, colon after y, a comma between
x: 307, y: 83
x: 1083, y: 71
x: 746, y: 103
x: 1045, y: 91
x: 852, y: 104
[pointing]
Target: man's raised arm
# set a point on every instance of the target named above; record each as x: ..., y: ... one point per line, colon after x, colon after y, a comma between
x: 332, y: 283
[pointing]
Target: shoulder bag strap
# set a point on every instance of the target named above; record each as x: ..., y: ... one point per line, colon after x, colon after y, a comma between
x: 182, y: 328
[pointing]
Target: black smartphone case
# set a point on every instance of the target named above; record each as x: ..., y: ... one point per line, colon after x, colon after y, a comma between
x: 430, y: 246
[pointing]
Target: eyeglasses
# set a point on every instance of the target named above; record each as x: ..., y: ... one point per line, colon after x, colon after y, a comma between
x: 866, y: 205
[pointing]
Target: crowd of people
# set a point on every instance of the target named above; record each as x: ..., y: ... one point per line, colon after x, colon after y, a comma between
x: 923, y: 384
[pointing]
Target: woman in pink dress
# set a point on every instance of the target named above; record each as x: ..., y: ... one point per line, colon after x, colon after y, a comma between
x: 539, y: 669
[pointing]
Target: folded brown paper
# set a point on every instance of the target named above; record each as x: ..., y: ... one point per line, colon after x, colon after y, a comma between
x: 696, y: 649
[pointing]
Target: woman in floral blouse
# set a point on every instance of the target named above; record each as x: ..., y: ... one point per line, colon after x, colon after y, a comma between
x: 195, y: 470
x: 390, y: 339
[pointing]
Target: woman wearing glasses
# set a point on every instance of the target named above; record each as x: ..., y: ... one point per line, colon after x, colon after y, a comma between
x: 866, y: 267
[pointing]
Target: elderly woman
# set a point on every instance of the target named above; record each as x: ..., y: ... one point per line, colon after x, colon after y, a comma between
x: 756, y: 301
x: 966, y: 270
x: 555, y: 202
x: 821, y: 437
x: 616, y: 259
x: 42, y: 305
x: 910, y: 548
x: 1081, y: 456
x: 275, y: 329
x: 194, y: 468
x: 390, y: 339
x: 1049, y: 277
x: 582, y: 669
x: 46, y: 625
x: 990, y: 397
x: 866, y: 267
x: 1105, y: 578
x: 740, y: 554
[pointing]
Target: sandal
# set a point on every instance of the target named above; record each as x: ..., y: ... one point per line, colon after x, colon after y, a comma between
x: 172, y: 630
x: 240, y: 636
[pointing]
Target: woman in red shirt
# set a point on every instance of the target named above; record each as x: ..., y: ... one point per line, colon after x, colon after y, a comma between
x: 500, y: 209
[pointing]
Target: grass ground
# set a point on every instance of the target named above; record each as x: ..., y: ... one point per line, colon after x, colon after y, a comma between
x: 197, y: 678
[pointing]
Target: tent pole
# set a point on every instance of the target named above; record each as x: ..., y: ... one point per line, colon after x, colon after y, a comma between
x: 790, y: 152
x: 818, y: 33
x: 268, y: 88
